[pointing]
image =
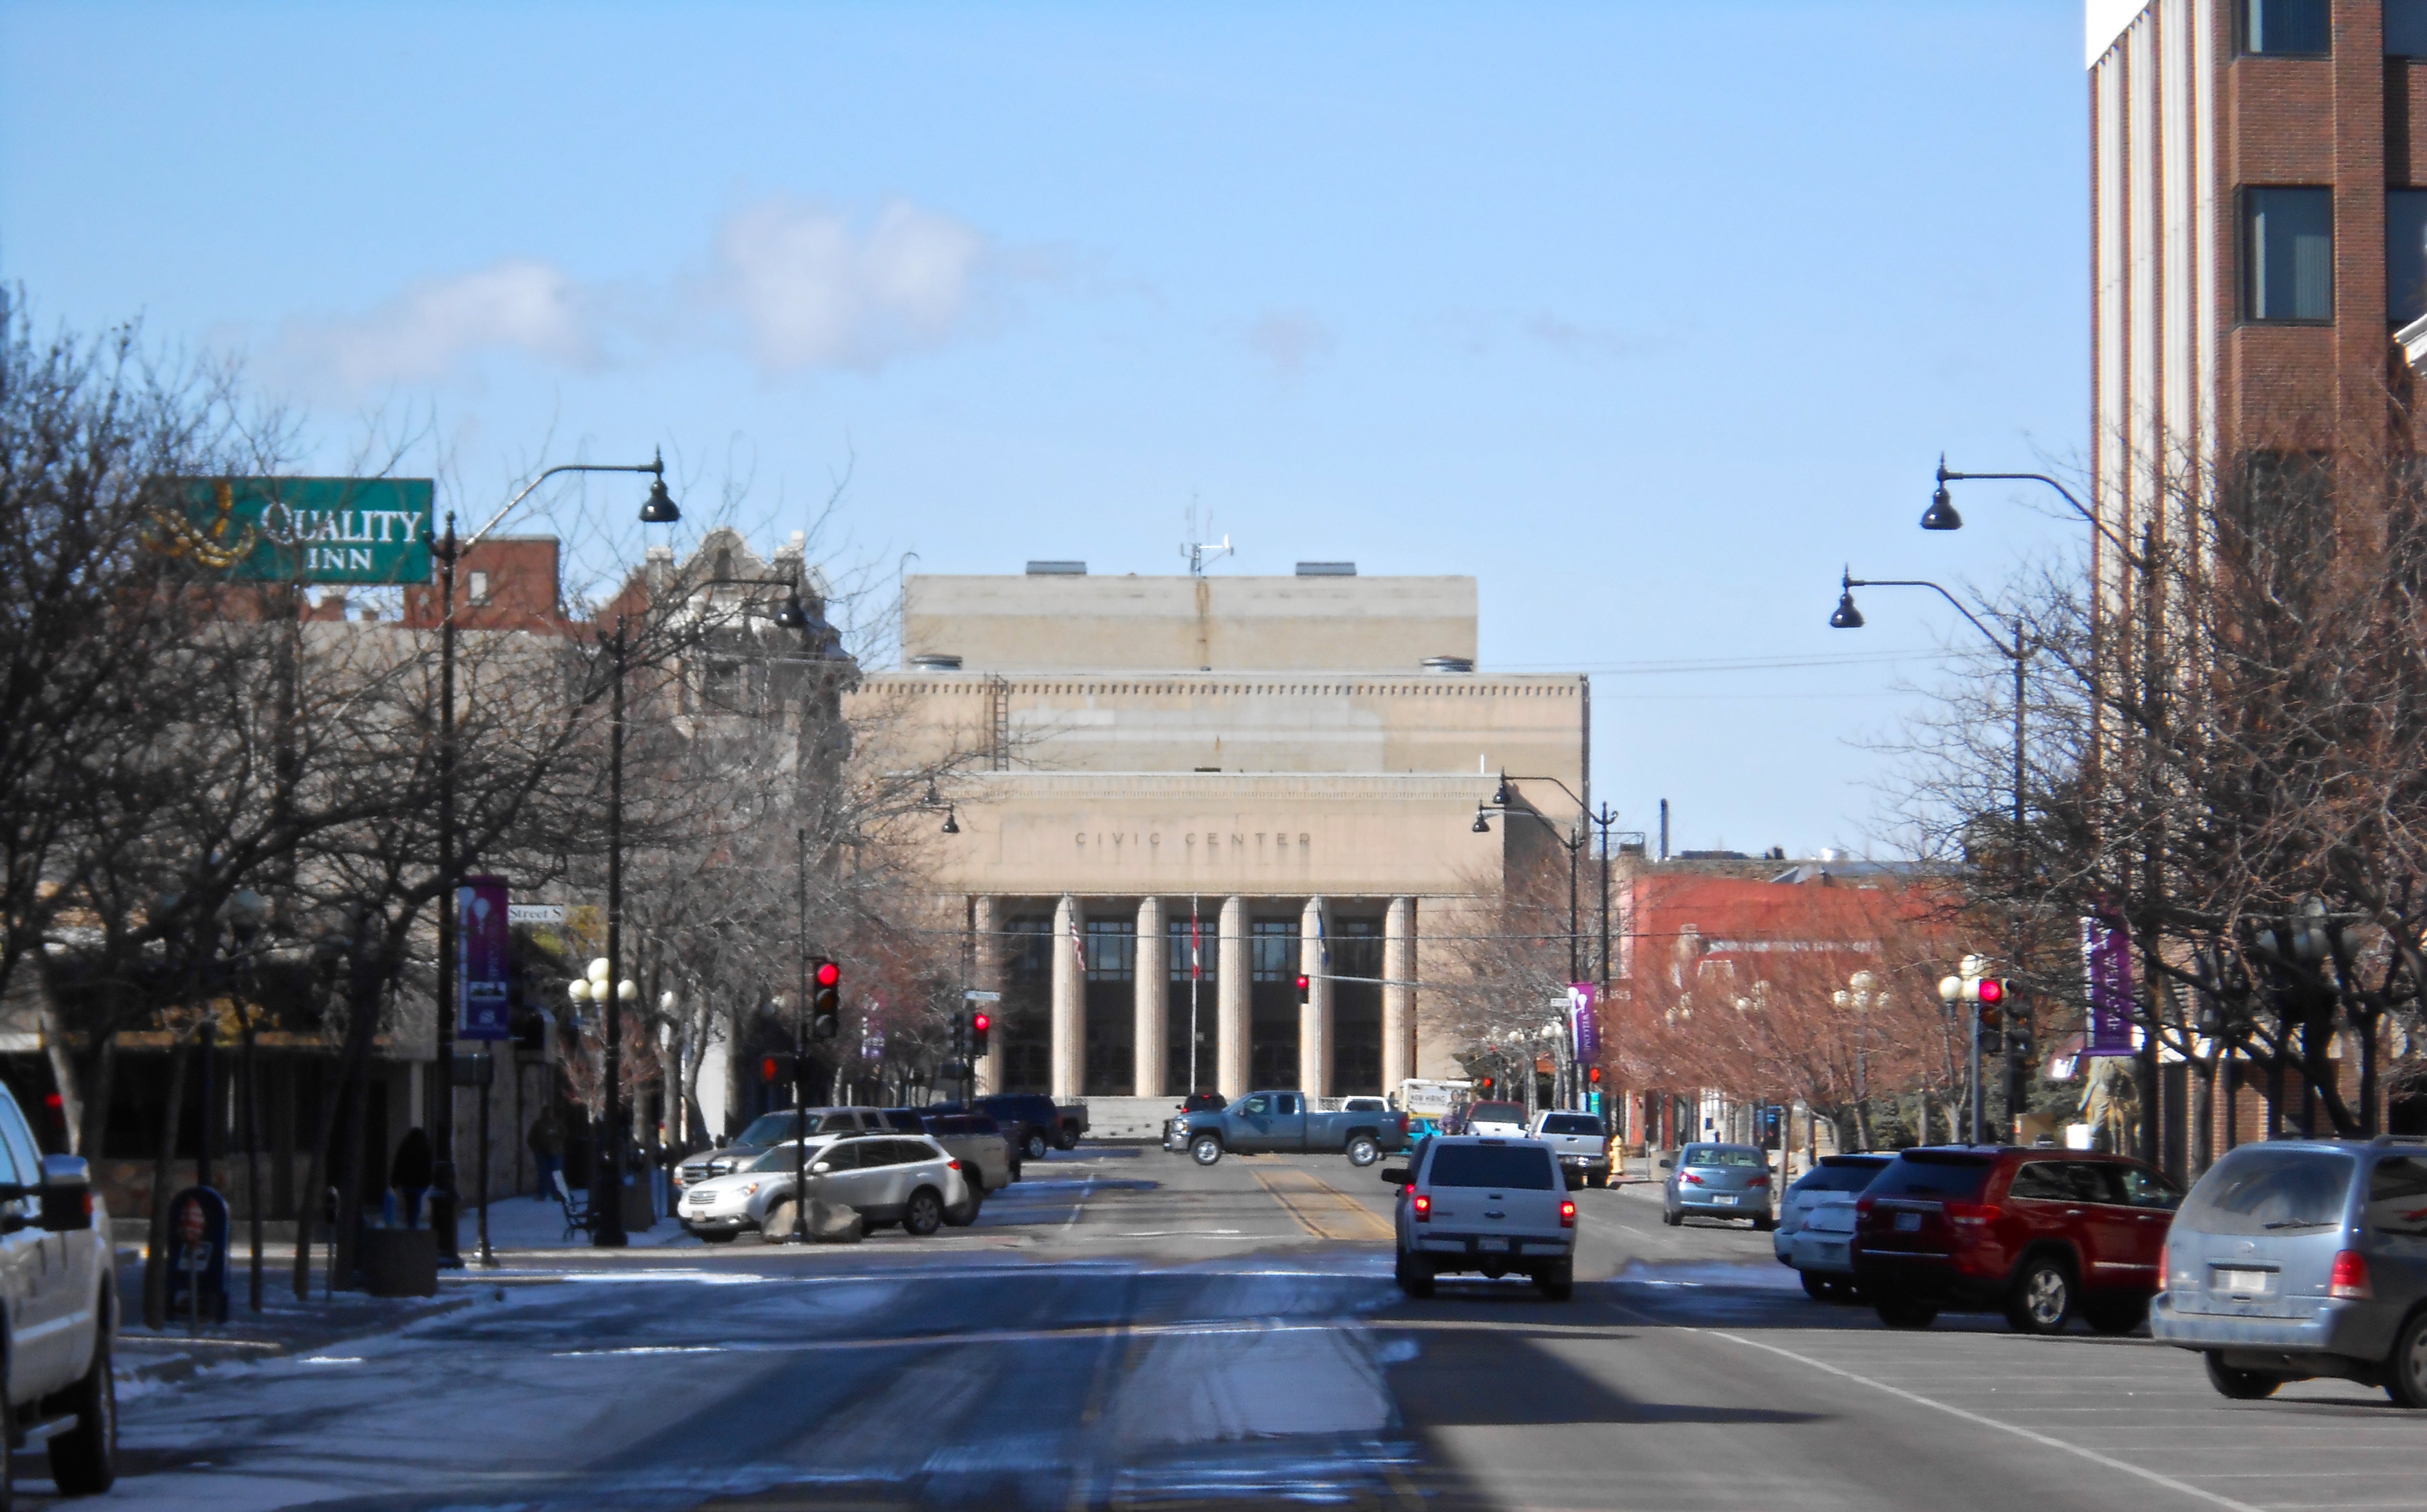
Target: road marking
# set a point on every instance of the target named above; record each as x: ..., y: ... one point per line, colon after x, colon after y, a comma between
x: 1321, y: 1209
x: 2045, y: 1441
x: 1081, y: 1205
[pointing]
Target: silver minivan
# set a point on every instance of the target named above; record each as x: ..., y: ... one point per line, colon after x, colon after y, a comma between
x: 2298, y: 1258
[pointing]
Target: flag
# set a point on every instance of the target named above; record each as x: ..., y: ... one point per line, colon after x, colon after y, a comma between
x: 1077, y: 946
x: 1195, y: 945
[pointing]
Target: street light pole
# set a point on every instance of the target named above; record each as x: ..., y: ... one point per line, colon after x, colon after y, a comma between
x: 440, y: 1117
x: 606, y: 1226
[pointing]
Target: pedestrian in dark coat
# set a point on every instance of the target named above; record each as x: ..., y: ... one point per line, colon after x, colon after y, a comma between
x: 547, y: 1142
x: 410, y: 1173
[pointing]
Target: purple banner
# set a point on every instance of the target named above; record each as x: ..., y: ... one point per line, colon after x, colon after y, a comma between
x: 484, y: 956
x: 2106, y: 968
x: 1584, y: 1021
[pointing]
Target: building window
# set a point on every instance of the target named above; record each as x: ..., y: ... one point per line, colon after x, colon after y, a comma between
x: 480, y: 588
x: 1272, y: 944
x: 2405, y: 254
x: 2287, y: 254
x: 1112, y: 949
x: 1193, y: 956
x: 2286, y: 28
x: 2406, y: 28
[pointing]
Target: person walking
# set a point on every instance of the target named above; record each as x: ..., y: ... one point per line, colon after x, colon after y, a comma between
x: 547, y: 1142
x: 410, y: 1173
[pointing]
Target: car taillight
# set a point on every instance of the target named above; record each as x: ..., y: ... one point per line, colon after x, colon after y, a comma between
x: 1968, y: 1211
x: 1862, y: 1207
x: 953, y: 1165
x: 1759, y: 1180
x: 1403, y: 1123
x: 1424, y: 1208
x: 2349, y: 1281
x: 1567, y: 1215
x: 1689, y: 1179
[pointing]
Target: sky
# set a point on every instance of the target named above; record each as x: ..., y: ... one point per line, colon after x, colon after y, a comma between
x: 1652, y: 317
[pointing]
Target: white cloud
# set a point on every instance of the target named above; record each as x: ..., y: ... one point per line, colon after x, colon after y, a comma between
x: 797, y: 285
x: 431, y: 329
x: 812, y: 293
x: 1290, y: 340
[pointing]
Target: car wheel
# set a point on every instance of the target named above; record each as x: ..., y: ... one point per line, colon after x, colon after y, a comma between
x: 1415, y: 1277
x: 1363, y: 1151
x: 923, y: 1214
x: 967, y: 1213
x: 1671, y: 1218
x: 84, y: 1459
x: 1206, y: 1151
x: 2405, y: 1369
x: 777, y: 1227
x: 1763, y: 1223
x: 2116, y: 1315
x: 1064, y: 1140
x: 715, y: 1236
x: 2242, y: 1385
x: 1816, y: 1288
x: 1035, y: 1145
x: 2041, y: 1298
x: 1558, y: 1283
x: 1907, y: 1312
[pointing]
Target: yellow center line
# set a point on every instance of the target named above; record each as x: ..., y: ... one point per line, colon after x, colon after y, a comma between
x: 1322, y: 1209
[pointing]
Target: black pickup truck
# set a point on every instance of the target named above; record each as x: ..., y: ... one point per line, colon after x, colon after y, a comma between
x: 1032, y: 1121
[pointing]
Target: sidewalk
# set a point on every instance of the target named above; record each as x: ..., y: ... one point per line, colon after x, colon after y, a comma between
x: 526, y: 1224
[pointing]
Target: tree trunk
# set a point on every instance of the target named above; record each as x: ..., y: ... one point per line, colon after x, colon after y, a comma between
x: 155, y: 1255
x: 63, y: 1072
x: 360, y: 1029
x: 102, y: 1086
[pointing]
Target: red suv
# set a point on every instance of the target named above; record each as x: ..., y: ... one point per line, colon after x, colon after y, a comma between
x: 2038, y: 1234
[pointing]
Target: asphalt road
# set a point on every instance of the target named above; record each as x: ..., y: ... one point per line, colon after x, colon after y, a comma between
x: 1127, y: 1329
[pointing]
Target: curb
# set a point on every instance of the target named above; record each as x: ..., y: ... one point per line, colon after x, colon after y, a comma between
x: 228, y: 1350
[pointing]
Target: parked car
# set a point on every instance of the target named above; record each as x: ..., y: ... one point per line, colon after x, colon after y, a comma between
x: 987, y: 1161
x: 2038, y: 1234
x: 1716, y: 1182
x: 1280, y: 1123
x: 1175, y: 1136
x: 1580, y: 1140
x: 2299, y: 1259
x: 888, y: 1180
x: 60, y: 1309
x: 1500, y: 1120
x: 770, y: 1130
x: 1488, y: 1205
x: 1815, y: 1222
x: 1033, y: 1122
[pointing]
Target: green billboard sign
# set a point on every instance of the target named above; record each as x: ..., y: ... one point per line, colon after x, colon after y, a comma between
x: 303, y: 529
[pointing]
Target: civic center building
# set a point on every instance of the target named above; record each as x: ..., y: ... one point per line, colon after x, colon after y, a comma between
x: 1180, y: 793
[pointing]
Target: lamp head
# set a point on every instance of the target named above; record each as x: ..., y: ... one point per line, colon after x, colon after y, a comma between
x: 792, y: 616
x: 1504, y: 796
x: 1482, y: 822
x: 952, y: 825
x: 1848, y: 617
x: 1941, y: 514
x: 661, y: 509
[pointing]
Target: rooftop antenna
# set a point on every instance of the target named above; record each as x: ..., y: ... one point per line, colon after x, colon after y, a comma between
x: 1201, y: 552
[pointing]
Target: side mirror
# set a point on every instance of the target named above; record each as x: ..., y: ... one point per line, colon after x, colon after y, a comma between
x: 821, y: 1168
x: 1668, y: 1164
x: 1394, y: 1176
x: 67, y: 1194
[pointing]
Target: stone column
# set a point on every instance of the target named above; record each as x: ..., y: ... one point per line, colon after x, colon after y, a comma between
x: 1153, y: 967
x: 1231, y: 1012
x: 1068, y: 1052
x: 1398, y: 996
x: 986, y: 921
x: 1314, y: 1017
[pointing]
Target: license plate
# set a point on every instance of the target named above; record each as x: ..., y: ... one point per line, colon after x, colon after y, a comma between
x: 1908, y: 1222
x: 2240, y: 1281
x: 1496, y: 1246
x: 1724, y: 1199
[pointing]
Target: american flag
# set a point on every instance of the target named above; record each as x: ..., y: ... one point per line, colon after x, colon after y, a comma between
x: 1195, y: 944
x: 1077, y: 946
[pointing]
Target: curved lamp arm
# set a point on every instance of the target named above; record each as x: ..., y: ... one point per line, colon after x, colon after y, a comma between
x: 2011, y: 653
x: 2088, y: 513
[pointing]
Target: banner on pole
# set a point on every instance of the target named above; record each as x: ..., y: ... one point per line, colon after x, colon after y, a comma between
x: 1584, y: 1021
x: 2107, y: 969
x: 484, y: 959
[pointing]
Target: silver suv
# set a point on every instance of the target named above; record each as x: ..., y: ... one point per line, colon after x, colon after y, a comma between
x: 2303, y: 1258
x: 1496, y: 1206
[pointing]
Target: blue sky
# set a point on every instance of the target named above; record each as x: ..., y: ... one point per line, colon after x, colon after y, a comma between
x: 1650, y: 317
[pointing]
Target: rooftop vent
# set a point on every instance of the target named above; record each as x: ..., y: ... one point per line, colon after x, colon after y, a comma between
x: 935, y: 661
x: 1449, y: 663
x: 1327, y: 569
x: 1057, y: 569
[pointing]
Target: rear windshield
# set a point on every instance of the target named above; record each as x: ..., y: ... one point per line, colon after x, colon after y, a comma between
x: 1851, y: 1177
x: 1947, y: 1177
x: 2397, y: 1195
x: 1709, y: 1155
x: 1502, y: 1167
x: 2256, y: 1190
x: 1495, y: 1112
x: 1572, y: 1123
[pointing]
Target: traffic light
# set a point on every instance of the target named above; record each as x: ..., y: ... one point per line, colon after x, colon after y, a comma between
x: 1593, y: 1075
x: 1487, y: 1086
x: 825, y: 999
x: 1993, y: 994
x: 979, y: 1023
x: 1305, y: 988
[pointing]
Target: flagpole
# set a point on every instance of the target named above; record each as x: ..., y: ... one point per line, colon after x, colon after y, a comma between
x: 1196, y: 973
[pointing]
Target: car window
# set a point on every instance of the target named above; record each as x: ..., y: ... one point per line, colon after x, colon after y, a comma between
x: 2094, y: 1181
x: 1944, y: 1177
x: 840, y: 1157
x: 1710, y: 1155
x: 1283, y: 1103
x: 2041, y: 1182
x: 1496, y: 1113
x: 2397, y: 1195
x: 1572, y: 1123
x: 1501, y: 1167
x: 2258, y: 1190
x: 2146, y: 1189
x: 1257, y: 1105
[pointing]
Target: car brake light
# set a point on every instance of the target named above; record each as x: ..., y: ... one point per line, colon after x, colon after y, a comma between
x: 1689, y: 1179
x: 1424, y: 1208
x: 1968, y: 1211
x: 1567, y: 1215
x: 1403, y: 1123
x: 952, y: 1166
x: 2349, y: 1281
x: 1862, y: 1207
x: 1759, y: 1180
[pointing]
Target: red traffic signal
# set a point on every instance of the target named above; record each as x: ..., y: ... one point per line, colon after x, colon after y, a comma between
x: 1593, y: 1075
x: 767, y: 1069
x: 1992, y: 990
x: 980, y: 1023
x: 828, y: 973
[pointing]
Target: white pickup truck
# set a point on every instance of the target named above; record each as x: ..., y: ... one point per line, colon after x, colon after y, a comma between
x: 60, y: 1315
x: 1496, y: 1206
x: 1579, y: 1140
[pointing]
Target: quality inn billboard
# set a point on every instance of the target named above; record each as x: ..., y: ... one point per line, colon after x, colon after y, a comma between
x: 303, y: 529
